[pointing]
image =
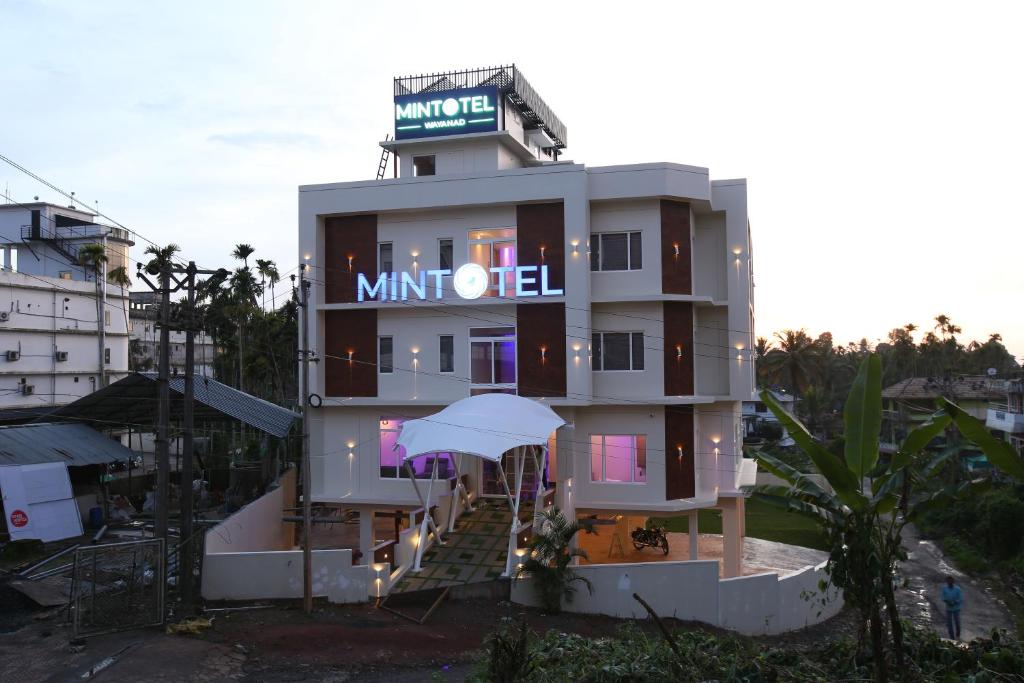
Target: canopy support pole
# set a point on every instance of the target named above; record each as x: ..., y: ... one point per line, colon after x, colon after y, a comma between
x: 538, y: 503
x: 427, y: 520
x: 520, y: 462
x: 460, y: 494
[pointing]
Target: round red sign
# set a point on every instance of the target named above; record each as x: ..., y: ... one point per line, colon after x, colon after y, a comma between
x: 19, y: 518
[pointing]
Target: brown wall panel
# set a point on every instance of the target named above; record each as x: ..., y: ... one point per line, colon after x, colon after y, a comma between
x: 347, y: 237
x: 679, y: 474
x: 540, y: 326
x: 676, y: 270
x: 678, y: 327
x: 542, y: 225
x: 355, y: 331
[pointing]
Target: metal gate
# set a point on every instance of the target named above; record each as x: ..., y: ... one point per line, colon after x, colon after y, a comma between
x: 118, y: 586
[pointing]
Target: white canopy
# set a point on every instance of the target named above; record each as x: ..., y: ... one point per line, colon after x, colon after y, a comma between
x: 486, y: 425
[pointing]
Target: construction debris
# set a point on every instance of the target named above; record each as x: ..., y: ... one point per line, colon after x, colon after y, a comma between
x: 191, y: 627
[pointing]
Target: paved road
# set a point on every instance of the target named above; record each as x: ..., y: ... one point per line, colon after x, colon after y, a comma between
x: 925, y: 571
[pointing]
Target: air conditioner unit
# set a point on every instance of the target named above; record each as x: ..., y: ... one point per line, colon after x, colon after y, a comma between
x: 28, y: 389
x: 13, y: 355
x: 5, y: 316
x: 62, y: 356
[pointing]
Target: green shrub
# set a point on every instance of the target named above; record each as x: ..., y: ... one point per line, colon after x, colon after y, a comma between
x: 1001, y: 523
x: 634, y: 655
x: 964, y: 555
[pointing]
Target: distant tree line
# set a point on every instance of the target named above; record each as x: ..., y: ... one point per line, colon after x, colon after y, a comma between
x: 820, y: 373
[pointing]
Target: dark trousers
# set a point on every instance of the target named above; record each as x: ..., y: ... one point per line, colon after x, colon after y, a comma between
x: 953, y: 622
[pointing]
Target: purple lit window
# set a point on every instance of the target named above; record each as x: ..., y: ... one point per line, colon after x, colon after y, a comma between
x: 391, y: 465
x: 618, y: 458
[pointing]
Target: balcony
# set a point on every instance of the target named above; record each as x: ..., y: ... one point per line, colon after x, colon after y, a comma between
x: 999, y: 417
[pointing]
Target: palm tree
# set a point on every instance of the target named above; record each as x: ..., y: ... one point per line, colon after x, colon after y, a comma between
x: 94, y: 256
x: 242, y: 252
x: 548, y: 562
x: 162, y: 257
x: 268, y: 272
x: 119, y: 276
x: 796, y: 363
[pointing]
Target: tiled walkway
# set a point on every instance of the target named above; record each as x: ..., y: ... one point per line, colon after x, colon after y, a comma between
x: 473, y: 553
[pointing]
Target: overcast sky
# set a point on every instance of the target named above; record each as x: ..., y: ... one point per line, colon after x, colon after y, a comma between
x: 883, y: 143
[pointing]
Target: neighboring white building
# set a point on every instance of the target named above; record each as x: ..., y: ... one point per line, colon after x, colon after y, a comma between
x: 1007, y: 418
x: 621, y: 296
x: 756, y: 412
x: 50, y: 347
x: 144, y: 334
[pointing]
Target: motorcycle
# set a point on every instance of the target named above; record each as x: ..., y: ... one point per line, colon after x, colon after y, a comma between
x: 650, y: 538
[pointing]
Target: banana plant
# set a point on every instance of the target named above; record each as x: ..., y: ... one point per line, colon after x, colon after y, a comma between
x: 857, y: 507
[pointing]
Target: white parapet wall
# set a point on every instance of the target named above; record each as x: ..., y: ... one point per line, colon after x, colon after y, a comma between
x: 761, y: 604
x: 252, y: 555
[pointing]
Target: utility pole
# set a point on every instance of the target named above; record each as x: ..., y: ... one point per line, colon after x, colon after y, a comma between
x: 163, y: 426
x: 169, y: 272
x: 307, y: 479
x: 185, y: 554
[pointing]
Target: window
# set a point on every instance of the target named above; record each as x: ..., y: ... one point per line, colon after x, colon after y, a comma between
x: 618, y: 350
x: 495, y: 249
x: 618, y: 458
x: 106, y: 318
x: 445, y: 253
x: 616, y: 251
x: 385, y: 355
x: 492, y: 359
x: 385, y: 264
x: 446, y: 362
x: 106, y: 356
x: 391, y: 454
x: 424, y: 165
x: 64, y: 275
x: 13, y: 259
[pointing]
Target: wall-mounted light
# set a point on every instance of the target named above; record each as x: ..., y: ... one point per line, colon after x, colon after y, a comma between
x: 542, y: 250
x: 679, y: 351
x: 575, y: 247
x: 350, y: 352
x: 415, y: 350
x: 675, y: 248
x: 307, y: 256
x: 576, y: 353
x: 415, y: 259
x: 543, y: 354
x: 350, y: 259
x: 679, y: 448
x: 716, y: 439
x: 736, y: 252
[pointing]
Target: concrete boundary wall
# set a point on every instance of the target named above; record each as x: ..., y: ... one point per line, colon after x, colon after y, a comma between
x: 258, y: 526
x: 761, y: 604
x: 277, y: 574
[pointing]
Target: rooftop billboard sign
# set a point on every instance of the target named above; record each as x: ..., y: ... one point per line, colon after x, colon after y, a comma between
x: 450, y: 112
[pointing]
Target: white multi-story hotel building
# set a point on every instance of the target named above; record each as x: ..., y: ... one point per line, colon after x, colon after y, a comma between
x: 52, y: 308
x: 620, y: 296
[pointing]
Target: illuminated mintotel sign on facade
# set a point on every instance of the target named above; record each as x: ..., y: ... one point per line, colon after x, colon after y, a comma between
x: 470, y: 281
x: 450, y: 112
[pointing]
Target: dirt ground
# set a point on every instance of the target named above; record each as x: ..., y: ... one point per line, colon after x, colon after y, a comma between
x: 336, y: 643
x: 925, y: 572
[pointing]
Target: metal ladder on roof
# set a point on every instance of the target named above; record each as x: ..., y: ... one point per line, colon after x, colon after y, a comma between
x: 385, y: 153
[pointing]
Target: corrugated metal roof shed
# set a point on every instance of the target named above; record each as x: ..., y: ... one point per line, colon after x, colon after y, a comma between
x: 73, y: 444
x: 132, y: 402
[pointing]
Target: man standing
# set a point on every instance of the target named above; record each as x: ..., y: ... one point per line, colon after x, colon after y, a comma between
x: 954, y: 599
